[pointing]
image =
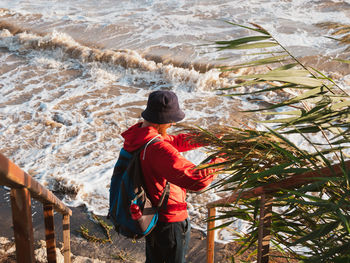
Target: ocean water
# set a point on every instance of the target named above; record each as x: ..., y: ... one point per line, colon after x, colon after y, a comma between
x: 75, y: 74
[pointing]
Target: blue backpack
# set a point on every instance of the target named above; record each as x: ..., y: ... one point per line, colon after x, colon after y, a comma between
x: 130, y: 209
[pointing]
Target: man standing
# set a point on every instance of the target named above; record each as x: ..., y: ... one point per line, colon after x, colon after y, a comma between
x: 162, y: 162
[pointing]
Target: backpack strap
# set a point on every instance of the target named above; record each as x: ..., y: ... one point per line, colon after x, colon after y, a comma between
x: 151, y: 141
x: 163, y: 201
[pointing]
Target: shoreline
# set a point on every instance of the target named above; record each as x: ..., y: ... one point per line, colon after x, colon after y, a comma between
x: 120, y: 250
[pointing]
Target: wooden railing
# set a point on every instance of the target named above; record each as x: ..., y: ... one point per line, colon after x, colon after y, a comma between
x: 23, y: 187
x: 266, y: 202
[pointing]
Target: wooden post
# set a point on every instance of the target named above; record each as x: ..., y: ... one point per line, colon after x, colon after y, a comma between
x: 211, y: 235
x: 23, y: 187
x: 22, y: 224
x: 66, y: 238
x: 264, y: 229
x: 13, y: 176
x: 50, y: 233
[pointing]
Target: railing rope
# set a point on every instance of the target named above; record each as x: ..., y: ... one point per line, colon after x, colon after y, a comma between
x: 23, y: 187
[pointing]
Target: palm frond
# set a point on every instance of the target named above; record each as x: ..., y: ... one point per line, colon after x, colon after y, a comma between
x: 316, y: 215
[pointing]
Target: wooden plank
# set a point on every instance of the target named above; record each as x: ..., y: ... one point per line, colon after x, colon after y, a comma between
x: 289, y: 183
x: 50, y: 233
x: 66, y: 238
x: 264, y: 229
x: 22, y: 224
x: 211, y: 235
x: 13, y: 176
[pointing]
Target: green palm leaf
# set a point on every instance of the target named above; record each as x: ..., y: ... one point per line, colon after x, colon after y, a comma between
x: 316, y: 215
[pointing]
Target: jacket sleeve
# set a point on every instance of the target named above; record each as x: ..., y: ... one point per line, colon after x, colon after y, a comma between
x: 182, y: 142
x: 167, y: 162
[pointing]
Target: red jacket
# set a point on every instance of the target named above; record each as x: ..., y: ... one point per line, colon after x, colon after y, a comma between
x: 163, y: 162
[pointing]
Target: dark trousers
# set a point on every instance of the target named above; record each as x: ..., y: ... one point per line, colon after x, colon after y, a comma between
x: 168, y: 242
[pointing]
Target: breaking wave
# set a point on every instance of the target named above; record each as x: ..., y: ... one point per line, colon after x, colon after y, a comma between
x: 63, y: 45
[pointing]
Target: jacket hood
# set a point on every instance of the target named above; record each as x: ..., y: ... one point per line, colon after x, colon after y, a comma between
x: 136, y: 136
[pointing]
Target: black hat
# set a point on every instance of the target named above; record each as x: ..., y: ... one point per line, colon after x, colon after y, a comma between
x: 163, y: 107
